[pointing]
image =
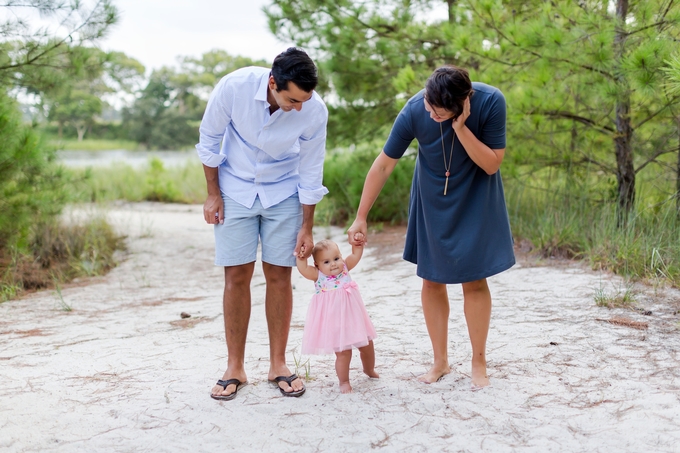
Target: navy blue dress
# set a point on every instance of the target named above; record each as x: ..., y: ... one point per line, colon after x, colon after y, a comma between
x: 464, y: 235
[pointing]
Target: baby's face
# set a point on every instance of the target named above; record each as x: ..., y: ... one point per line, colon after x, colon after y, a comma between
x: 329, y: 261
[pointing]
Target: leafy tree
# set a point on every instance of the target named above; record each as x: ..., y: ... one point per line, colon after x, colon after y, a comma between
x: 30, y: 186
x: 585, y: 77
x: 39, y: 58
x: 373, y: 55
x: 78, y: 100
x: 584, y: 80
x: 168, y: 110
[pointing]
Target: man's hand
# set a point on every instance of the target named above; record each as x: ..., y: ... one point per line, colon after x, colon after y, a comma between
x: 304, y: 245
x: 357, y: 234
x: 213, y: 209
x: 460, y: 121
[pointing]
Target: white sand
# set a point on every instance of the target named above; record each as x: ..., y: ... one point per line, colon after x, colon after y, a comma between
x: 122, y: 372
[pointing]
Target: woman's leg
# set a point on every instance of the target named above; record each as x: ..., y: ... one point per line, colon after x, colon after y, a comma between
x: 435, y: 300
x: 477, y: 308
x: 368, y: 360
x: 342, y: 360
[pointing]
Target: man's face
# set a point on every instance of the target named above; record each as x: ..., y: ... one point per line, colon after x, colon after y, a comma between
x: 291, y: 98
x: 438, y: 114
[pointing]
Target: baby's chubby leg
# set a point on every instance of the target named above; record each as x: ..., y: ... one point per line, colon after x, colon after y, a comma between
x: 368, y: 360
x: 342, y: 360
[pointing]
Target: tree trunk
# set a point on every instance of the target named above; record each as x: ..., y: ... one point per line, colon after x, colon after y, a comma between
x: 81, y: 131
x: 625, y: 171
x: 450, y: 3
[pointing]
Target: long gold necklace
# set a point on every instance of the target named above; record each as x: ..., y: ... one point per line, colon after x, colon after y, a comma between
x: 447, y: 167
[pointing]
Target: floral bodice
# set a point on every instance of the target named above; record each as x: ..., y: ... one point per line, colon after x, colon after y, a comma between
x: 326, y: 283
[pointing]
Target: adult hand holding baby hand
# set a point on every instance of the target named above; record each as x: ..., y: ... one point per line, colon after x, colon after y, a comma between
x: 357, y: 233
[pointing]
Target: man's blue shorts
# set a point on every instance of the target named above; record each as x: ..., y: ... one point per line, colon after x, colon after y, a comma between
x: 277, y: 227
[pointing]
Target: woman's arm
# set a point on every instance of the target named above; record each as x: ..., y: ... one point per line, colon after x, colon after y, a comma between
x: 307, y: 271
x: 375, y: 180
x: 486, y: 158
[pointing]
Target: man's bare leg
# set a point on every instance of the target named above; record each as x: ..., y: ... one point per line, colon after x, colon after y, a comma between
x: 477, y: 308
x: 236, y: 304
x: 279, y: 309
x: 435, y: 300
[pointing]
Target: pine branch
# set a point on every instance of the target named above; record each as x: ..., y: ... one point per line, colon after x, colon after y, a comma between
x: 580, y: 119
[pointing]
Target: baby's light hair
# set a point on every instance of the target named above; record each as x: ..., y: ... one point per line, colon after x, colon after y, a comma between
x: 322, y: 245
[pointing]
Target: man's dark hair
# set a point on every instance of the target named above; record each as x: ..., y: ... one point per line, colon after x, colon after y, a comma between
x: 294, y: 65
x: 447, y: 88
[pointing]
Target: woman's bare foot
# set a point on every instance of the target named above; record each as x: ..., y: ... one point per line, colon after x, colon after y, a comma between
x: 371, y: 373
x: 479, y: 376
x: 345, y: 387
x: 434, y: 374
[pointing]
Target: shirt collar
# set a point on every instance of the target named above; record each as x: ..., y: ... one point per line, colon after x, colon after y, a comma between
x: 261, y: 94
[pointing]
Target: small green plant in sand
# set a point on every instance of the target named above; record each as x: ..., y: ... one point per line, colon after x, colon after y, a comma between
x: 300, y: 365
x: 619, y: 298
x: 60, y: 298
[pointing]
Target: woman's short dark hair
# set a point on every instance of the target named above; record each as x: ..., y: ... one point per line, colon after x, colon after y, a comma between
x: 447, y: 88
x: 294, y: 65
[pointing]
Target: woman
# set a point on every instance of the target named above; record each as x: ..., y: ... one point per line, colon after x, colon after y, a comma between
x: 458, y: 229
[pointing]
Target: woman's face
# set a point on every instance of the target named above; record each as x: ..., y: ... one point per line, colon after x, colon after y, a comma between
x: 329, y: 261
x: 438, y: 114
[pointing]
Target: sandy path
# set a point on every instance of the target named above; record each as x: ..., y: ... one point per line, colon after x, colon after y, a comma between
x: 122, y: 372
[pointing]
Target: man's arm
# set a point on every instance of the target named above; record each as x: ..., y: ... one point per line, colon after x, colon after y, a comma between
x: 216, y: 118
x: 213, y: 208
x: 305, y: 241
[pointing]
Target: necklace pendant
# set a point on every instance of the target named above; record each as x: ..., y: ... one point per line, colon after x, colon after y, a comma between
x: 448, y: 174
x: 446, y: 186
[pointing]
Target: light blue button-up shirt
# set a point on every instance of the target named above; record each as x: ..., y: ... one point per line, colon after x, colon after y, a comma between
x: 262, y: 155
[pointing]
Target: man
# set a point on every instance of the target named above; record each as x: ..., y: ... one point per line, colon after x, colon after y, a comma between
x: 262, y: 144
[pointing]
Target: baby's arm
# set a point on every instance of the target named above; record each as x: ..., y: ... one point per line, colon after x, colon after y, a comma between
x: 357, y: 250
x: 307, y: 271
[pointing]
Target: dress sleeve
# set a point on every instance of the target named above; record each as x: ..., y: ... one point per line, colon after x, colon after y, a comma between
x: 401, y: 135
x: 493, y: 129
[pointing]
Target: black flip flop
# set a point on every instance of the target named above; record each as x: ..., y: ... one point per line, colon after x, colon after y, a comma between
x: 288, y: 380
x: 226, y: 383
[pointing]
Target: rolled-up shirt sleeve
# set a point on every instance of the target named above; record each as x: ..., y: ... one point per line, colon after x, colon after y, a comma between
x: 312, y: 154
x: 216, y: 118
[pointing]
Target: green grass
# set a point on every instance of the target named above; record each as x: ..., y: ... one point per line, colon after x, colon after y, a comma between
x: 155, y: 182
x: 645, y: 248
x: 94, y: 145
x: 560, y: 219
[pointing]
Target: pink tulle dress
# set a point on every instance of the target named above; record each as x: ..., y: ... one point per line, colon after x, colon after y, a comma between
x: 336, y: 318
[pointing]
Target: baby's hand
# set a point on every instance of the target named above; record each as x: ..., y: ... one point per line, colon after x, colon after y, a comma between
x: 359, y: 237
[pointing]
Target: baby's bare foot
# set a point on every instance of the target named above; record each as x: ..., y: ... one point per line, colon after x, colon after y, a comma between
x: 434, y: 374
x: 371, y: 373
x: 345, y: 387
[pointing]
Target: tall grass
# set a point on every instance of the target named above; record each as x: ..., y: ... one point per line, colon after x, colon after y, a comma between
x: 344, y: 174
x: 155, y: 182
x: 58, y: 252
x: 646, y: 247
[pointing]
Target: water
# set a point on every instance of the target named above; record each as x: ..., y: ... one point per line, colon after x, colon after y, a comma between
x: 135, y: 159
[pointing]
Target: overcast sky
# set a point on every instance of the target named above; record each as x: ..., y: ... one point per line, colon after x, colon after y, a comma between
x: 155, y: 32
